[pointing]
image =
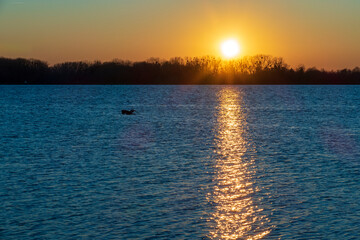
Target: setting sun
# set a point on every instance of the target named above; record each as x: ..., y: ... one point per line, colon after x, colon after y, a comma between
x: 230, y: 48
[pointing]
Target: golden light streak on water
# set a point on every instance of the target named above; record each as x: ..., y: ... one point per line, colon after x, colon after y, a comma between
x: 236, y: 216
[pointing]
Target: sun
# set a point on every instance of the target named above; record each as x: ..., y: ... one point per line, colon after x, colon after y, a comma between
x: 230, y: 48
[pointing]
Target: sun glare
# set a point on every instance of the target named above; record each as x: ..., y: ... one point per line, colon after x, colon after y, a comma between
x: 230, y: 48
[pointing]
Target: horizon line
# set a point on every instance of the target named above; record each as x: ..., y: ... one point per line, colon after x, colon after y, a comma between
x: 162, y: 60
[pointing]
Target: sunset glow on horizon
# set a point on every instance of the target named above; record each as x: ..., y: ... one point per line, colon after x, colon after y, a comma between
x: 319, y: 34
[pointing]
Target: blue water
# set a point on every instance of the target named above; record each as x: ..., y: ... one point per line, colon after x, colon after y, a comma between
x: 195, y: 162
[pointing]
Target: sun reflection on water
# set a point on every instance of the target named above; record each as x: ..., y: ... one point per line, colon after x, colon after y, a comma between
x: 236, y: 216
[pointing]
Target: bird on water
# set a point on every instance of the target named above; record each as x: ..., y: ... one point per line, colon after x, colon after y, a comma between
x: 127, y: 112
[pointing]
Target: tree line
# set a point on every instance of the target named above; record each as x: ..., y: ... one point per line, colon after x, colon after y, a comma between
x: 259, y: 69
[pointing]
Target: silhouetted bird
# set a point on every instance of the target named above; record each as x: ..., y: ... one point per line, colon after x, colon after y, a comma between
x: 127, y: 112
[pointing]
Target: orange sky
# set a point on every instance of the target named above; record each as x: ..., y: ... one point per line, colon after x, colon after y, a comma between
x: 320, y: 33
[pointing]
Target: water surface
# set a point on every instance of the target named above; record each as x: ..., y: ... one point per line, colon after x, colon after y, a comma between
x: 195, y: 162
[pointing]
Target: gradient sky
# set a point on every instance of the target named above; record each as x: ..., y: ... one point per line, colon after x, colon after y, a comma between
x: 320, y: 33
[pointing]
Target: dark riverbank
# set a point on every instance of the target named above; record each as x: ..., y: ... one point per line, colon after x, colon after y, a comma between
x: 260, y: 69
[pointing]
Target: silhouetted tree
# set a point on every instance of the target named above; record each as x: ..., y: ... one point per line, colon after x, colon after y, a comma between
x: 259, y: 69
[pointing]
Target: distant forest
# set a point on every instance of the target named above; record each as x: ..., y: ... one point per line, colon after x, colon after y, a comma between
x: 260, y: 69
